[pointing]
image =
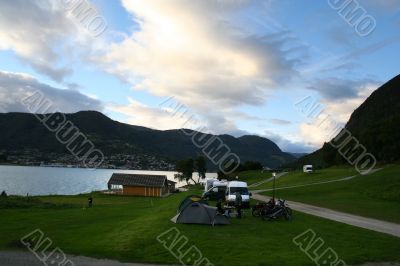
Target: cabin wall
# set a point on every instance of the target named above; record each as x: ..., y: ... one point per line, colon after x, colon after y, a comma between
x: 142, y: 191
x: 171, y: 188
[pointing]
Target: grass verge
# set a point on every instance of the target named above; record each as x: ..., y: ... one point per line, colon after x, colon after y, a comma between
x: 126, y: 228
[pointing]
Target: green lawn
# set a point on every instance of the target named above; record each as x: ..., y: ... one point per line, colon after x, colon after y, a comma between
x: 253, y: 176
x: 126, y: 228
x: 376, y: 195
x: 300, y: 178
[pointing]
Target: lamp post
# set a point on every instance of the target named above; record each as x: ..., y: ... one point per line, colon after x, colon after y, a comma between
x: 273, y: 190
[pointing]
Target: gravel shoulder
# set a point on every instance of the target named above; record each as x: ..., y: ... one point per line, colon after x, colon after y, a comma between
x: 19, y: 258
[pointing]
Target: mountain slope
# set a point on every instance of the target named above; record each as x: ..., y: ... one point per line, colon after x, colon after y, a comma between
x: 21, y: 132
x: 375, y: 124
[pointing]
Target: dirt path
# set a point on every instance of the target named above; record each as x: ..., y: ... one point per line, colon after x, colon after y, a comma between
x: 10, y: 258
x: 355, y: 220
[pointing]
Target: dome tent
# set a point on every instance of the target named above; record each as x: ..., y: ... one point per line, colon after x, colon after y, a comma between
x: 189, y: 200
x: 198, y: 213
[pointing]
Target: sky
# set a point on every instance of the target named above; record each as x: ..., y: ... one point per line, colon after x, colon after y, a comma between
x: 238, y: 66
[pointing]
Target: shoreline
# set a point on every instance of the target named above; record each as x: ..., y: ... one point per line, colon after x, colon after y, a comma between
x: 79, y: 167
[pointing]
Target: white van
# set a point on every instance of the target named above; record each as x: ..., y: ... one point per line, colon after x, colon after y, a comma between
x: 241, y: 187
x: 217, y: 192
x: 209, y: 183
x: 222, y: 183
x: 308, y: 168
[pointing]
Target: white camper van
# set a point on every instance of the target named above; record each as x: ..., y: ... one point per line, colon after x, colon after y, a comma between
x: 217, y: 191
x: 209, y: 183
x: 241, y: 187
x: 308, y: 168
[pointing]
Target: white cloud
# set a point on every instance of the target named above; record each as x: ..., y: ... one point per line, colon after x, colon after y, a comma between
x: 138, y: 113
x: 289, y: 145
x: 193, y: 51
x: 172, y: 114
x: 335, y: 89
x: 14, y: 87
x: 280, y: 122
x: 31, y: 29
x: 335, y: 115
x: 44, y: 35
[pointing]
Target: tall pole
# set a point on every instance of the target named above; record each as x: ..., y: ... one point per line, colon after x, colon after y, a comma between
x: 273, y: 190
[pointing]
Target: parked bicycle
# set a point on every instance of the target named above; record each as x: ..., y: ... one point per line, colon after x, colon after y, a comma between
x: 273, y: 210
x: 262, y: 207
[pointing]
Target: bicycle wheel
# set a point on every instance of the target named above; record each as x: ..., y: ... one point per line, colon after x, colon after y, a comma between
x: 288, y: 214
x: 256, y: 213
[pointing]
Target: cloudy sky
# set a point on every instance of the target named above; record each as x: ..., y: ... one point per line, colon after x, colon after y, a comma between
x: 238, y: 66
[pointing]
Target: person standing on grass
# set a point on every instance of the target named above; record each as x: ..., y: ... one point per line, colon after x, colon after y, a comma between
x: 90, y: 202
x: 219, y: 207
x: 238, y: 205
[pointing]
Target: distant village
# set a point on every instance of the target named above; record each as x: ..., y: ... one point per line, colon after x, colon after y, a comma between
x: 115, y: 161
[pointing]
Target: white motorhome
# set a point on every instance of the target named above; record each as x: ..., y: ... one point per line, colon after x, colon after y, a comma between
x: 217, y: 191
x: 209, y: 183
x: 308, y: 168
x: 233, y: 188
x: 222, y: 183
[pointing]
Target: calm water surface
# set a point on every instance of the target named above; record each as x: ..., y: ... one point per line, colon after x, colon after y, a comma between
x: 21, y: 180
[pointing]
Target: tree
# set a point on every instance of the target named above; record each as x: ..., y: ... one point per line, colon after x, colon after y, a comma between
x: 251, y: 165
x: 221, y: 175
x: 185, y: 169
x: 201, y: 167
x: 228, y: 169
x: 3, y: 158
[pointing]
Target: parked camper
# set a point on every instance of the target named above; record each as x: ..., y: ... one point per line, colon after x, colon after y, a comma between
x: 223, y: 183
x: 209, y: 183
x: 233, y: 188
x: 217, y: 192
x: 307, y: 168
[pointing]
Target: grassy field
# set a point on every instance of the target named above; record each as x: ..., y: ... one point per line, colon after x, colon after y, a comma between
x: 300, y: 178
x: 126, y: 228
x: 252, y: 177
x: 376, y: 195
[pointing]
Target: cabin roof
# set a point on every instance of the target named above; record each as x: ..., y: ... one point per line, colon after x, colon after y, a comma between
x: 138, y: 180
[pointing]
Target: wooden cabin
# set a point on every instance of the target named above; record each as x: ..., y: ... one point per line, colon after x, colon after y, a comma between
x: 141, y: 185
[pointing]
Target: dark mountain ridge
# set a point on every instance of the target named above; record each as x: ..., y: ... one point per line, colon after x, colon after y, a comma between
x: 22, y: 131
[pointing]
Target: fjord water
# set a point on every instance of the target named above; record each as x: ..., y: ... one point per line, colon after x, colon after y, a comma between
x: 23, y: 180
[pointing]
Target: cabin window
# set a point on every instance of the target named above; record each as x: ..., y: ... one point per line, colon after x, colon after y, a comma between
x: 116, y: 187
